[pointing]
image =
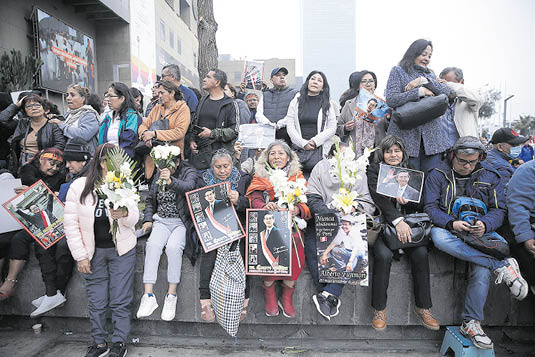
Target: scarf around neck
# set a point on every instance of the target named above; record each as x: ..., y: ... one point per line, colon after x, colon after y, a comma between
x: 234, y: 178
x: 76, y: 114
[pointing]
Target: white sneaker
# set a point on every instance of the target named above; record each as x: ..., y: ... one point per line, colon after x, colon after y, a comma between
x: 48, y: 303
x: 37, y: 302
x: 147, y: 306
x: 510, y: 275
x: 472, y: 330
x: 169, y: 307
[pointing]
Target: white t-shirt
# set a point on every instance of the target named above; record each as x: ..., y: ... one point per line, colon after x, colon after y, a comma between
x: 113, y: 131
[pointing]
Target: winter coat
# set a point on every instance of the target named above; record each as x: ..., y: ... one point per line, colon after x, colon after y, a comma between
x: 31, y: 173
x: 521, y: 202
x: 245, y: 113
x: 499, y: 161
x: 273, y: 105
x: 484, y: 184
x: 84, y: 131
x: 526, y: 154
x: 467, y: 106
x: 128, y: 127
x: 79, y: 220
x: 431, y: 133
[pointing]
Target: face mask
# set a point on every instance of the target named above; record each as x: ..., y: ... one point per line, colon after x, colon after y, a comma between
x: 515, y: 151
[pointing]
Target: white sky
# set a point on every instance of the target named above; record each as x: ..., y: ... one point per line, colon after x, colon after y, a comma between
x: 493, y: 41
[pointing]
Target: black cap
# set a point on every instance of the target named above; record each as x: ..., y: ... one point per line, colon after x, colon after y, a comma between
x: 509, y: 136
x: 279, y: 69
x: 75, y: 152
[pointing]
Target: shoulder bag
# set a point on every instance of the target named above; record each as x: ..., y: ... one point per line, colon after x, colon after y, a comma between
x: 413, y: 114
x: 420, y: 224
x: 160, y: 124
x: 309, y: 158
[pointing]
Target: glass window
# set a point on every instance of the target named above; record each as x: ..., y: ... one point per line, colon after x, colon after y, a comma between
x: 162, y: 30
x: 179, y: 46
x: 172, y: 39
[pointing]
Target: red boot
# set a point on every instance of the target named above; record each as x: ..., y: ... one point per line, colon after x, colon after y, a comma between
x: 271, y: 300
x: 285, y: 301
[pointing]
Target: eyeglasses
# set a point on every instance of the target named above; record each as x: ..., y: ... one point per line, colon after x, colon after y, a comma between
x: 107, y: 96
x: 34, y: 105
x: 464, y: 162
x: 367, y: 81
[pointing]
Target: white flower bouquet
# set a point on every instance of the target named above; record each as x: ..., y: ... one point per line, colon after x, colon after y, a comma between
x: 164, y: 158
x: 118, y: 187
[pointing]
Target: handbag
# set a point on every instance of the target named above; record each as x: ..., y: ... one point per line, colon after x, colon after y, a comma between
x: 161, y: 124
x: 413, y: 114
x: 373, y: 222
x: 309, y: 158
x: 420, y: 224
x: 227, y: 287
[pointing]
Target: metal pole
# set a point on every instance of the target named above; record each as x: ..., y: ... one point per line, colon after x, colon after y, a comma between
x: 505, y: 109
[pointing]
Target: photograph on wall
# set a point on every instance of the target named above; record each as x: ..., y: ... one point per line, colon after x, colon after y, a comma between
x: 214, y: 216
x: 256, y: 136
x: 395, y: 181
x: 253, y: 74
x: 39, y: 212
x: 68, y: 55
x: 342, y: 249
x: 269, y: 238
x: 370, y: 107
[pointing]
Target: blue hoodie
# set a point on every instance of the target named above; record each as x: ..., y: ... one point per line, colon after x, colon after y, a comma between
x: 521, y: 201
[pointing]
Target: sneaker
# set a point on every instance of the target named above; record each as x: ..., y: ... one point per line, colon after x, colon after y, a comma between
x: 147, y: 306
x: 96, y: 351
x: 37, y: 302
x: 48, y: 303
x: 510, y: 275
x: 335, y: 303
x: 472, y: 330
x: 118, y: 349
x: 169, y: 307
x: 322, y: 305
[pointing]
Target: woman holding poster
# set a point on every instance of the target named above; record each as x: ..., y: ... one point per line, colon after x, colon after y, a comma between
x: 261, y: 194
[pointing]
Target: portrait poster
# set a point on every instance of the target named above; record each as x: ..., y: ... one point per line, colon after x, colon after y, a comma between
x: 342, y: 249
x: 395, y: 181
x: 7, y: 192
x: 370, y: 107
x: 253, y: 74
x: 214, y: 216
x: 39, y: 212
x: 269, y: 243
x: 256, y: 136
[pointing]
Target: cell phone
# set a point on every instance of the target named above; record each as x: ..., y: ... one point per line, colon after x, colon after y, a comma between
x: 474, y: 226
x: 197, y: 129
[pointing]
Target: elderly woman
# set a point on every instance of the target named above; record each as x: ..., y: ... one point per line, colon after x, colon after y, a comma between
x: 166, y: 213
x: 392, y: 152
x: 33, y: 133
x: 221, y: 170
x: 173, y: 110
x: 262, y: 195
x: 81, y: 124
x: 311, y: 120
x: 411, y: 81
x: 362, y: 133
x: 322, y: 185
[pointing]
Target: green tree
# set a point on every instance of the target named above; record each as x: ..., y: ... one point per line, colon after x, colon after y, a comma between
x: 18, y: 72
x: 525, y: 124
x: 488, y: 108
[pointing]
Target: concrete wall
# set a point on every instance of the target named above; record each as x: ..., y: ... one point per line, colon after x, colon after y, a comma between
x: 448, y: 286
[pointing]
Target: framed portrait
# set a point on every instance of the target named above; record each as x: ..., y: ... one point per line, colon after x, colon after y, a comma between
x: 395, y: 181
x: 39, y: 212
x: 342, y: 249
x: 269, y: 243
x: 214, y: 216
x: 7, y: 192
x: 370, y: 108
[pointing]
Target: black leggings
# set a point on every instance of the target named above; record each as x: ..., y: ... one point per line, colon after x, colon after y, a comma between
x: 381, y: 274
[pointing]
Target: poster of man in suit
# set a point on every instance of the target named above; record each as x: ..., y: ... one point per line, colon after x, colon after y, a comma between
x: 214, y: 217
x: 400, y: 182
x: 268, y: 242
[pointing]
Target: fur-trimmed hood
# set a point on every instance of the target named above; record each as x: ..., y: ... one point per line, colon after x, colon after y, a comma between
x: 261, y: 169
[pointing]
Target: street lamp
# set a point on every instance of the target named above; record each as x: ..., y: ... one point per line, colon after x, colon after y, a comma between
x: 505, y: 109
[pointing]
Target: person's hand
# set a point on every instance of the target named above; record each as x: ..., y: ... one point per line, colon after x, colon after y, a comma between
x: 442, y: 81
x: 350, y: 125
x: 311, y: 145
x: 428, y: 93
x: 404, y: 232
x: 349, y: 268
x: 20, y: 189
x: 413, y: 84
x: 401, y: 200
x: 390, y: 175
x: 323, y: 259
x: 84, y: 266
x: 264, y: 86
x: 55, y: 121
x: 118, y: 213
x: 148, y: 135
x: 480, y: 230
x: 271, y: 206
x: 148, y: 143
x: 193, y: 147
x: 205, y: 134
x: 530, y: 246
x: 242, y: 86
x: 165, y: 175
x: 238, y: 148
x: 461, y: 226
x: 19, y: 103
x: 147, y: 226
x: 234, y: 195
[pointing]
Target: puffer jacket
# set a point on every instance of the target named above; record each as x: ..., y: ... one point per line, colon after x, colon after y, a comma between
x: 498, y: 160
x: 484, y: 184
x: 128, y: 127
x: 79, y: 220
x: 274, y: 104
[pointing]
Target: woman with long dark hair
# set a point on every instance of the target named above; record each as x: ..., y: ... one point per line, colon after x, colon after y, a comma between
x: 311, y: 118
x: 120, y: 126
x: 138, y: 99
x: 411, y: 81
x: 108, y: 268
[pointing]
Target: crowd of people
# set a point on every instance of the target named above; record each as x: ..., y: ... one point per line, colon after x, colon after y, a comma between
x: 68, y: 153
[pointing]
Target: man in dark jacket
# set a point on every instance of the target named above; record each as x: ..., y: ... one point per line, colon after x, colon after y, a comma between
x: 216, y: 122
x: 464, y: 175
x: 273, y: 105
x: 275, y: 251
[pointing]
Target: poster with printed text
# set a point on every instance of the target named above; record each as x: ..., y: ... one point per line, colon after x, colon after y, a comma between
x: 253, y: 74
x: 370, y: 108
x: 256, y: 136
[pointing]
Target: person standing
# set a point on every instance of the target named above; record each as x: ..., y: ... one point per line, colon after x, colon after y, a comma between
x: 171, y: 72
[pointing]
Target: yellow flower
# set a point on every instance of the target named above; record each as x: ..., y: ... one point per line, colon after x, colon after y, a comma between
x: 110, y: 176
x: 297, y: 192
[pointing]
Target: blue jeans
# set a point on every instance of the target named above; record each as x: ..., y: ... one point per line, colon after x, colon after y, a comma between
x: 481, y: 265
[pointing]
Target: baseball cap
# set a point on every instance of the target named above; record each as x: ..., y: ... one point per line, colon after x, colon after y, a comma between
x: 507, y: 135
x: 279, y: 69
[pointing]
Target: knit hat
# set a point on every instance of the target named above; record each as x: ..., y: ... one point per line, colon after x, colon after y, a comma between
x: 76, y: 152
